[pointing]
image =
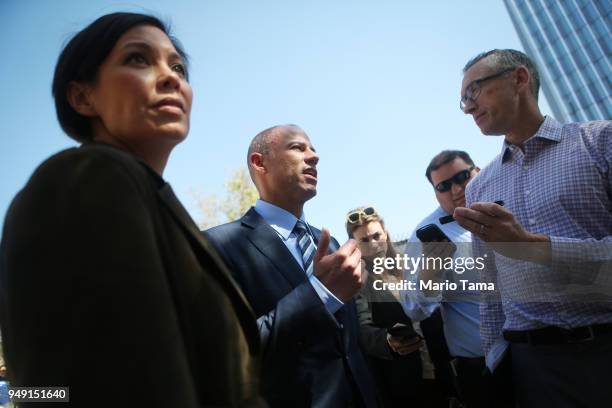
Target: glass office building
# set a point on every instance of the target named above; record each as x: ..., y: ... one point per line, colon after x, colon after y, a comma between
x: 571, y: 43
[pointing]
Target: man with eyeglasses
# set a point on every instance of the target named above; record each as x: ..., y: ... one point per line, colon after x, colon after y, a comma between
x: 449, y: 172
x: 550, y: 242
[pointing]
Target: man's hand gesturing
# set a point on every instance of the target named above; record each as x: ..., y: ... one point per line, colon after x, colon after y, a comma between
x: 340, y: 271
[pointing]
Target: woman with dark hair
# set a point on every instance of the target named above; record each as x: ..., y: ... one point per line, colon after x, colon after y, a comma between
x: 106, y: 284
x: 387, y: 336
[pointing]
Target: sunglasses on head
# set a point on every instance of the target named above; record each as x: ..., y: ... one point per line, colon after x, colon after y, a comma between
x: 458, y: 178
x: 354, y: 216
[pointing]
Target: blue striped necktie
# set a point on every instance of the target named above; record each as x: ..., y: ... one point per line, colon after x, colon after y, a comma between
x: 307, y: 247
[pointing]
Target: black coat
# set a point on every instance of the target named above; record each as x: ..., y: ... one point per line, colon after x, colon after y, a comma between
x: 399, y: 378
x: 107, y: 286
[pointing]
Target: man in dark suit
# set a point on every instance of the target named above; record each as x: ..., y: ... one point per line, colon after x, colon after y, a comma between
x: 301, y: 292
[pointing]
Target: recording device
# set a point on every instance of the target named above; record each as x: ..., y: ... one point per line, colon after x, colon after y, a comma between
x: 403, y: 331
x: 433, y: 233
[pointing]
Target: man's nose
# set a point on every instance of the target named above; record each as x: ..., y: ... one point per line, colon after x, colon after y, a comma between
x: 457, y: 188
x: 312, y: 157
x: 469, y: 106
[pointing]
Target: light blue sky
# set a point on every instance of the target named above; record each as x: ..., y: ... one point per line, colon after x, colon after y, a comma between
x: 374, y: 83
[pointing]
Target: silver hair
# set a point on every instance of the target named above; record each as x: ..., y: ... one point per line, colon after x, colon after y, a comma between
x: 505, y: 59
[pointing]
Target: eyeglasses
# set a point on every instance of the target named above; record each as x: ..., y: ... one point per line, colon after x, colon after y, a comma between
x: 472, y: 91
x: 355, y: 215
x: 458, y: 178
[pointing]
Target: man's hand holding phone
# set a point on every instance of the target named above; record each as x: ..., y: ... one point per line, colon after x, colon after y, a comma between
x: 435, y: 245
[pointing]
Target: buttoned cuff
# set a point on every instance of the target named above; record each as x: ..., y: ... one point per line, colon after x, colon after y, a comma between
x: 331, y: 302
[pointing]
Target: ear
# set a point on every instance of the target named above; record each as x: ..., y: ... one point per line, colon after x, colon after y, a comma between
x: 79, y: 98
x: 256, y: 161
x: 523, y: 78
x: 477, y: 169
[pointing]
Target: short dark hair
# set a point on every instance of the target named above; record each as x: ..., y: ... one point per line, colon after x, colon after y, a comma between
x: 444, y: 157
x: 81, y: 58
x: 508, y: 58
x: 262, y: 141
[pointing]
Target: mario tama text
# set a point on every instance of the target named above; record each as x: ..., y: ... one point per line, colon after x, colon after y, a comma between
x: 429, y: 285
x: 411, y: 264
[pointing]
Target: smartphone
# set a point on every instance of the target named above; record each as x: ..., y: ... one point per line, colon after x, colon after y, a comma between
x: 403, y: 331
x: 431, y: 233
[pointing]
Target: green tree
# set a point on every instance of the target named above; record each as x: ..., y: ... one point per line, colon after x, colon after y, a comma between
x: 239, y: 197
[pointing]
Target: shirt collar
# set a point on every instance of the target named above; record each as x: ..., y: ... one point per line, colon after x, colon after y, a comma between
x: 550, y: 129
x: 281, y: 220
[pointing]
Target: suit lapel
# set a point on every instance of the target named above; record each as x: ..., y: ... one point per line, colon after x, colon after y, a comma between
x: 241, y: 305
x: 267, y: 241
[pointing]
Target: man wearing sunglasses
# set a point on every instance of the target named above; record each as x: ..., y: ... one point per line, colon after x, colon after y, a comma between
x: 449, y: 172
x: 299, y: 281
x: 553, y: 234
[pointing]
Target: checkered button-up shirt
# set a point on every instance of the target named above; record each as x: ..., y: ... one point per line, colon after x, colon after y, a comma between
x: 560, y: 185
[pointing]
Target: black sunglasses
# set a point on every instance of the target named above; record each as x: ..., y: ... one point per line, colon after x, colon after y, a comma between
x: 355, y: 215
x: 458, y: 178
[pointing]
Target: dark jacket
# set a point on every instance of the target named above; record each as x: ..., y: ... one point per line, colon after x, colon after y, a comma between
x: 310, y: 358
x: 399, y: 378
x: 107, y: 286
